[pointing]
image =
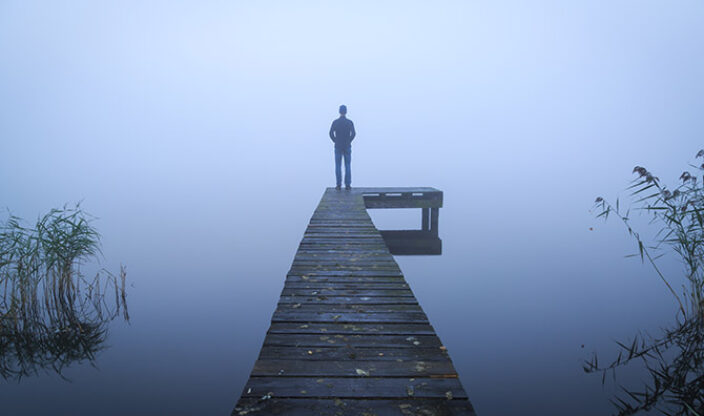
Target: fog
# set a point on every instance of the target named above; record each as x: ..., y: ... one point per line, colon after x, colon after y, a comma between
x: 196, y: 133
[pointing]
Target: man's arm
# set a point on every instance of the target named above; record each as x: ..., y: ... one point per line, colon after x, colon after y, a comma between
x: 332, y: 132
x: 352, y: 132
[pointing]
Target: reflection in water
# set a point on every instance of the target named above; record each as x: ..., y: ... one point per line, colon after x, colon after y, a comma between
x: 412, y: 242
x: 51, y: 315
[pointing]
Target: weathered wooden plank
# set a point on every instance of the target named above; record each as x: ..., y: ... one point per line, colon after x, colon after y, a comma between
x: 339, y: 267
x: 349, y: 256
x: 351, y: 249
x: 395, y: 190
x: 375, y: 248
x: 399, y: 285
x: 344, y: 273
x: 339, y: 231
x: 353, y: 353
x: 329, y: 222
x: 354, y: 368
x: 363, y: 263
x: 343, y: 264
x: 338, y: 239
x: 351, y: 300
x: 341, y: 242
x: 335, y: 242
x: 356, y: 340
x: 396, y: 317
x: 346, y: 279
x: 352, y: 261
x: 352, y: 407
x: 357, y: 260
x: 400, y: 203
x: 353, y: 328
x: 345, y: 308
x: 347, y: 292
x: 354, y: 387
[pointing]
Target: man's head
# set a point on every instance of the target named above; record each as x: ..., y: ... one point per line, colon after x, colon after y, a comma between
x: 343, y: 109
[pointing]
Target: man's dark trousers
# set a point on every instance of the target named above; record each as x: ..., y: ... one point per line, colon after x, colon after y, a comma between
x: 347, y: 153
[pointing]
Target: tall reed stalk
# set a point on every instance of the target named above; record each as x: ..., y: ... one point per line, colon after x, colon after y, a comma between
x: 674, y: 360
x: 51, y: 314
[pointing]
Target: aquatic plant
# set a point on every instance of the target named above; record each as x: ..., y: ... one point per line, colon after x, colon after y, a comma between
x: 51, y: 314
x: 674, y: 360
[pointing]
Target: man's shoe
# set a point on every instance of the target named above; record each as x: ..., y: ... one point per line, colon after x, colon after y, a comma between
x: 348, y: 187
x: 337, y: 187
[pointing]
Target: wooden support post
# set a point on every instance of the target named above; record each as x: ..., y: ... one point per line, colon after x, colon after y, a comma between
x: 434, y: 214
x: 425, y: 219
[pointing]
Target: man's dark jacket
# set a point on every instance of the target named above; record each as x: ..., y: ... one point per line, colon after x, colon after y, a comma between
x: 342, y: 132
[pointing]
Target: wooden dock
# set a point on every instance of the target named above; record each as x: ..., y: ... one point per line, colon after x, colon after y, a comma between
x: 348, y: 336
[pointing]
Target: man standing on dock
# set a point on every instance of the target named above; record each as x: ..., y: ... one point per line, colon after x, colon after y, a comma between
x: 342, y: 133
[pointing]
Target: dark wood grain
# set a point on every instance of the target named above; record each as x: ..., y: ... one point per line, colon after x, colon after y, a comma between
x: 354, y: 387
x: 355, y: 368
x: 349, y: 353
x: 353, y: 328
x: 348, y: 336
x: 353, y: 407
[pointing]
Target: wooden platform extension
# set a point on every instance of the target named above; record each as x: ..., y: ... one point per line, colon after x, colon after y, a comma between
x: 348, y: 336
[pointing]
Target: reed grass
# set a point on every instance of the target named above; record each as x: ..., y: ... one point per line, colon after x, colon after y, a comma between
x: 51, y: 314
x: 674, y: 360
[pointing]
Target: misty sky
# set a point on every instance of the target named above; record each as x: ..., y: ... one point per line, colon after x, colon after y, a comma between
x: 196, y: 131
x: 176, y: 91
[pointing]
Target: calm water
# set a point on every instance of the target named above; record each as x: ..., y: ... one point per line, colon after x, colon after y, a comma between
x: 513, y: 305
x: 197, y: 134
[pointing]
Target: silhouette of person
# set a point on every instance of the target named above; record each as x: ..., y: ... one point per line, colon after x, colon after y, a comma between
x: 342, y: 133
